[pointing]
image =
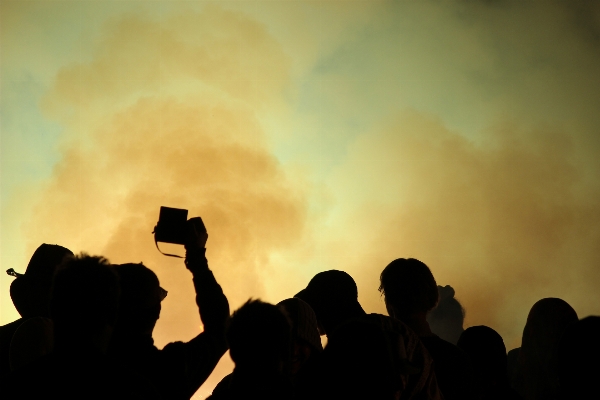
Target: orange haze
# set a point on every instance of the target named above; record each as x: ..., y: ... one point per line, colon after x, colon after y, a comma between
x: 172, y: 111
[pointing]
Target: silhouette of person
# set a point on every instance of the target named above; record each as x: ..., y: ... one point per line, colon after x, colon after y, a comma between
x: 359, y: 363
x: 487, y: 353
x: 83, y: 307
x: 410, y: 292
x: 259, y: 337
x: 180, y: 368
x: 578, y: 355
x: 536, y: 375
x: 446, y: 319
x: 306, y: 343
x: 333, y: 296
x: 30, y: 293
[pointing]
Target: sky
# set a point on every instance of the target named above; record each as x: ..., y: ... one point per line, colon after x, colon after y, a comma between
x: 310, y: 136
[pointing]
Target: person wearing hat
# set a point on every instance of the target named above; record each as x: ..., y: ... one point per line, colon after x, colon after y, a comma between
x: 30, y: 293
x: 333, y: 295
x: 84, y: 304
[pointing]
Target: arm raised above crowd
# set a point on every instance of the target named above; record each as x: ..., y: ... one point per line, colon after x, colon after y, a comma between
x: 201, y: 354
x: 213, y: 305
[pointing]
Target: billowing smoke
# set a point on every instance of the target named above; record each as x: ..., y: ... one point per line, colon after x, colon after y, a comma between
x: 137, y: 140
x: 463, y: 134
x: 504, y: 222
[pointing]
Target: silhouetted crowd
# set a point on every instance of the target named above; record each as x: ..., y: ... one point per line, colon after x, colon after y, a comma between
x: 86, y: 333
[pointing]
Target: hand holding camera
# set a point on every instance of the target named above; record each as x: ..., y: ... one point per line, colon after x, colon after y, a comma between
x: 174, y: 227
x: 196, y: 234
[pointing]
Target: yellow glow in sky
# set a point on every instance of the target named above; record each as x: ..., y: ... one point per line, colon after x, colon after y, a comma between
x: 309, y: 136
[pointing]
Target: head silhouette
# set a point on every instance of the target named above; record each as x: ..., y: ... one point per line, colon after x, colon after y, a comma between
x: 30, y: 292
x: 306, y: 340
x: 578, y: 354
x: 446, y: 319
x: 487, y: 352
x: 258, y: 334
x: 141, y: 296
x: 84, y: 303
x: 537, y: 363
x: 408, y: 287
x: 333, y: 296
x: 546, y: 322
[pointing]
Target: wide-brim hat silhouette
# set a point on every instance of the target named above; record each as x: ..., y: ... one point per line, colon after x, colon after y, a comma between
x: 30, y: 291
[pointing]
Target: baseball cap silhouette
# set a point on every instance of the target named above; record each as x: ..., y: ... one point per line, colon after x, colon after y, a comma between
x: 331, y: 290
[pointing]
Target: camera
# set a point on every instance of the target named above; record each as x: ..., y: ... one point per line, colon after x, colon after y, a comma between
x: 174, y: 227
x: 171, y: 226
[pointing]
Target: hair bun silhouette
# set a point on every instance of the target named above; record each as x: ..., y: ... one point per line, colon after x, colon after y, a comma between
x: 446, y: 292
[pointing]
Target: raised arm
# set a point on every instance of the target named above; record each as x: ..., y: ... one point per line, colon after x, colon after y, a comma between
x: 198, y: 357
x: 211, y: 301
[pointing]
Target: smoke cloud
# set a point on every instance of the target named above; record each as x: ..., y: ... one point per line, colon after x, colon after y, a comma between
x: 503, y: 221
x: 338, y: 136
x: 136, y: 140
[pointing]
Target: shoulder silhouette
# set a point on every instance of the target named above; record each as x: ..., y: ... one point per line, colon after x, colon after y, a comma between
x: 578, y: 353
x: 360, y: 363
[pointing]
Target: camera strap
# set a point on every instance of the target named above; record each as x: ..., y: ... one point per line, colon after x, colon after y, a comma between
x: 156, y: 243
